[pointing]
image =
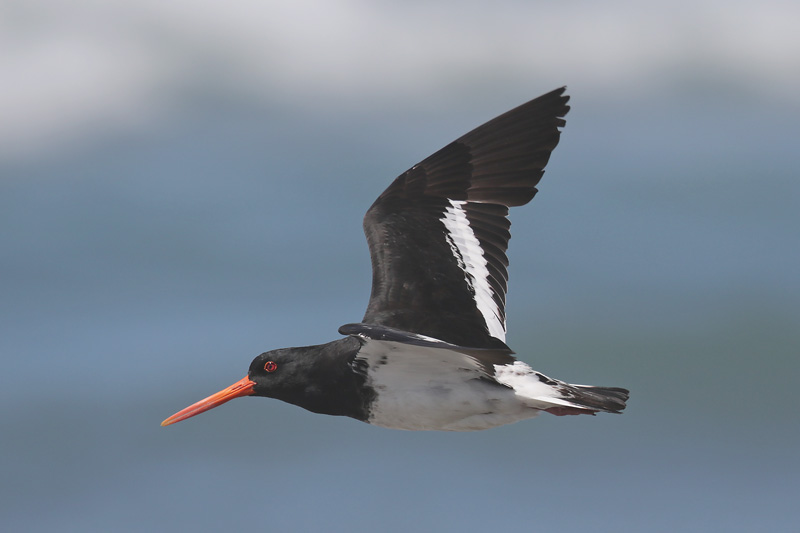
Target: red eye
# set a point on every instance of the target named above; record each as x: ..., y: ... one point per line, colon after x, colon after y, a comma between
x: 270, y: 366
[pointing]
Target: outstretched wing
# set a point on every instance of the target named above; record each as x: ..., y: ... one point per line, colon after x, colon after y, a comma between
x: 438, y: 234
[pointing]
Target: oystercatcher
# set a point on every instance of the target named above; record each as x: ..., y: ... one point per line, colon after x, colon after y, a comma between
x: 430, y: 352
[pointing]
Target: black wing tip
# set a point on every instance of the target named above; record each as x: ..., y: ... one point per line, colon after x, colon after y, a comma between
x: 542, y: 119
x: 530, y: 133
x: 556, y: 97
x: 562, y: 97
x: 558, y: 101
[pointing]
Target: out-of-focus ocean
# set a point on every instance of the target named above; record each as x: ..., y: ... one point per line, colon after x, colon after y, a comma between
x: 152, y: 244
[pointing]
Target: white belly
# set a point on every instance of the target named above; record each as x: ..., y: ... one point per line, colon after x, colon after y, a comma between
x: 470, y: 407
x: 432, y: 389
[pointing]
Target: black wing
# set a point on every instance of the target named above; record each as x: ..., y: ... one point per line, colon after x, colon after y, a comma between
x: 438, y: 234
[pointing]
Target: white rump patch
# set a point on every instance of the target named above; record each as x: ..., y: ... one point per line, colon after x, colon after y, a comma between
x: 469, y: 254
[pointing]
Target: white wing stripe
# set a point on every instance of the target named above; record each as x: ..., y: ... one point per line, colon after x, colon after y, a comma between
x: 469, y: 255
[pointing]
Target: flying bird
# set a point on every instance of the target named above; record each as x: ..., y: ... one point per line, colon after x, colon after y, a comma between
x: 430, y: 352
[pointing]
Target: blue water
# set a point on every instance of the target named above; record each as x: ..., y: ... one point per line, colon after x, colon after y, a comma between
x: 143, y: 271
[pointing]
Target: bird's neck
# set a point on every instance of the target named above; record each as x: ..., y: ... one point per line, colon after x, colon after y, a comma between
x: 338, y: 384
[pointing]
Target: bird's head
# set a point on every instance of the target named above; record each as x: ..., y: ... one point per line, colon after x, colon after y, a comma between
x: 273, y: 374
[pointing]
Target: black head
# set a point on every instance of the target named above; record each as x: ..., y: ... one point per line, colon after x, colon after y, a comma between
x: 286, y: 374
x: 322, y: 379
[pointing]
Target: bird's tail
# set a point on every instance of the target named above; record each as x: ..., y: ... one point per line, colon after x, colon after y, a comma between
x: 558, y: 397
x: 585, y: 399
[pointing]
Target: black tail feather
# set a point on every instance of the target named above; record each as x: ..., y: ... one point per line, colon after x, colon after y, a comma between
x: 608, y: 399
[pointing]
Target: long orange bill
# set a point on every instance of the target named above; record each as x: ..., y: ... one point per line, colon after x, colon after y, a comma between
x: 243, y: 387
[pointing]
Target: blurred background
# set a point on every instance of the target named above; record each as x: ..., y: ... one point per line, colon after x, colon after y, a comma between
x: 182, y: 186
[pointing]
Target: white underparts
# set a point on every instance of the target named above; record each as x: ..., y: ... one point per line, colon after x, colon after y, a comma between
x: 467, y: 251
x: 432, y: 388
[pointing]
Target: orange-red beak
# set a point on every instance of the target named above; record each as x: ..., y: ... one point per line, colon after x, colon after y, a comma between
x: 243, y: 387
